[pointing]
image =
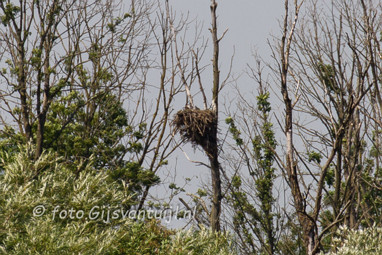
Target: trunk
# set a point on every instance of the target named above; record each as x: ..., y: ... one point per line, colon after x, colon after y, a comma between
x: 338, y: 181
x: 216, y: 189
x: 311, y: 242
x: 270, y: 237
x: 308, y: 226
x: 215, y: 60
x: 212, y: 152
x: 46, y: 101
x: 23, y: 90
x: 40, y: 135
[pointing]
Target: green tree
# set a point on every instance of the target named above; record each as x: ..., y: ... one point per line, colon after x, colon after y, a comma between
x: 75, y: 77
x: 327, y: 86
x: 254, y: 220
x: 46, y: 62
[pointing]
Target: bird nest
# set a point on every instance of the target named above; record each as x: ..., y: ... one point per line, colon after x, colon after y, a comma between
x: 196, y: 126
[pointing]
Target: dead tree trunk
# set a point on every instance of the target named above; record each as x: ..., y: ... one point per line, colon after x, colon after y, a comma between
x: 214, y: 152
x: 308, y: 225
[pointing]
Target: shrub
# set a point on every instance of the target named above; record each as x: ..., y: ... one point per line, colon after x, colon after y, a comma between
x: 26, y: 183
x: 358, y: 242
x: 202, y: 241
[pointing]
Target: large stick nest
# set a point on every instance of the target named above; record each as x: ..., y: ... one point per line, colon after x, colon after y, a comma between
x: 196, y: 126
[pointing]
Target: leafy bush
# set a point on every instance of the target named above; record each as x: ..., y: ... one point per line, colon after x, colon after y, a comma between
x: 46, y: 184
x: 358, y: 242
x: 59, y: 227
x: 203, y: 241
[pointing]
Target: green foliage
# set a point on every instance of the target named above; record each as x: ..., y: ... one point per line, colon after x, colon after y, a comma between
x: 291, y: 241
x: 9, y: 140
x: 202, y: 241
x: 46, y: 182
x: 36, y: 59
x: 254, y: 220
x: 357, y: 242
x: 92, y: 121
x: 236, y: 181
x: 329, y: 177
x: 265, y: 156
x: 112, y: 26
x: 234, y: 131
x: 327, y: 77
x: 327, y: 218
x: 314, y: 156
x: 202, y: 193
x: 371, y: 195
x: 263, y: 103
x: 135, y: 176
x: 26, y: 183
x: 94, y: 130
x: 10, y: 13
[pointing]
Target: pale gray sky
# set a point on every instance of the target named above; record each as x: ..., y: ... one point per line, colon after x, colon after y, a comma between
x: 249, y: 24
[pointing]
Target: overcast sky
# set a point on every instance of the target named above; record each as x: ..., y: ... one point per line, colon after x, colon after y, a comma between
x: 249, y: 24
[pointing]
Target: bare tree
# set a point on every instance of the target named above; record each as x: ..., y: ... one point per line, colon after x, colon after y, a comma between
x: 175, y: 70
x: 327, y: 67
x: 200, y: 127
